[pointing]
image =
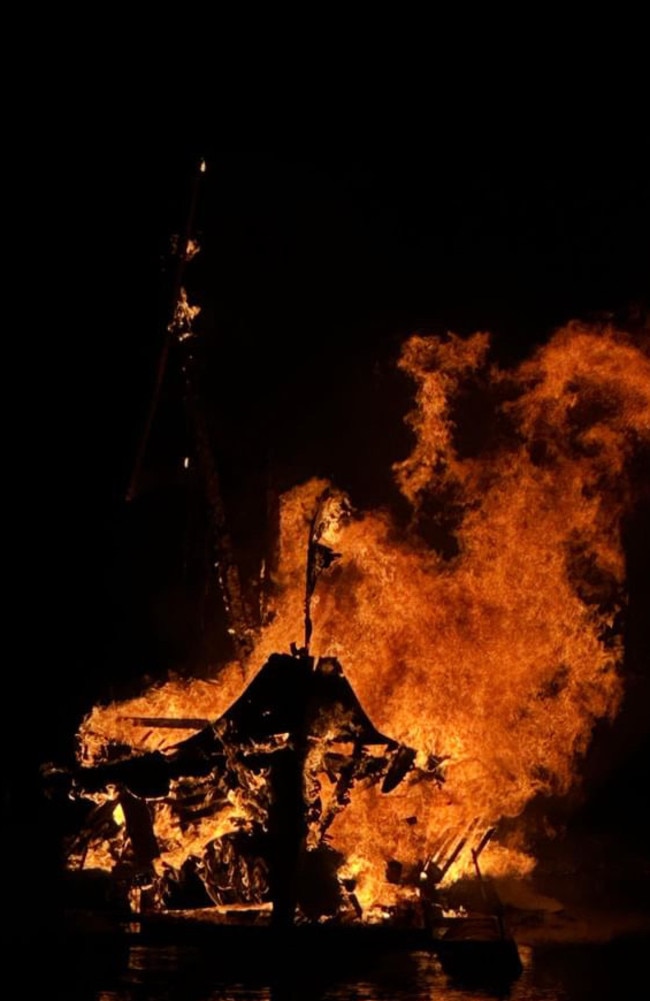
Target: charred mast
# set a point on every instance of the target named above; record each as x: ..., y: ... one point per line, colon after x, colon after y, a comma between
x: 180, y: 344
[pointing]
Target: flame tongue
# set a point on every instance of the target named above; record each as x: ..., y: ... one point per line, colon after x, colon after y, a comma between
x: 500, y: 658
x: 494, y: 650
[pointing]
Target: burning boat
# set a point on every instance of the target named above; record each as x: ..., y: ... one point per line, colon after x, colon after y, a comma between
x: 254, y: 782
x: 450, y: 670
x: 234, y: 827
x: 236, y: 819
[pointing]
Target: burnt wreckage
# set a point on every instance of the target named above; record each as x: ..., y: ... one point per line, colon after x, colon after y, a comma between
x: 268, y: 861
x: 243, y: 798
x: 298, y: 719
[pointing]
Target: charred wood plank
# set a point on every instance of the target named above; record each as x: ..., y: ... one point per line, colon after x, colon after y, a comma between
x: 482, y: 843
x: 402, y: 763
x: 454, y: 855
x: 139, y: 826
x: 168, y: 723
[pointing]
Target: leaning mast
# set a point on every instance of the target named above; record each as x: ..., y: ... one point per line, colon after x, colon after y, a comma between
x: 240, y: 622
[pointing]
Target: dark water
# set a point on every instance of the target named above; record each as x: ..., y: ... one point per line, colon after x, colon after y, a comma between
x: 613, y: 971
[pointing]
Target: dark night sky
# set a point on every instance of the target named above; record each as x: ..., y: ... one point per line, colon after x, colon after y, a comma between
x: 313, y: 268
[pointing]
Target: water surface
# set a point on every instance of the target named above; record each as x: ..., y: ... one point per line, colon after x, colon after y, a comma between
x: 613, y: 971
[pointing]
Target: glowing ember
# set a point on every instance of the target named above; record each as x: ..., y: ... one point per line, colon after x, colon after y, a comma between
x: 482, y: 634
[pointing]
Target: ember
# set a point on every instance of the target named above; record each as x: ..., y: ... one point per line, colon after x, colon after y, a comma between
x: 411, y: 685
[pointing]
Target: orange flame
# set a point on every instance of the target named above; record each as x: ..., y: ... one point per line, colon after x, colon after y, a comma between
x: 496, y: 647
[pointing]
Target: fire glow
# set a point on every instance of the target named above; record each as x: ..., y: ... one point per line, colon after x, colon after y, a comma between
x: 485, y: 633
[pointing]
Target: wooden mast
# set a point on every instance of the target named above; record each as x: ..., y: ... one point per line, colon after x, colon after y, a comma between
x: 240, y: 621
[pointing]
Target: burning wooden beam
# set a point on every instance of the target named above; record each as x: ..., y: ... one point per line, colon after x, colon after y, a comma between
x: 168, y: 723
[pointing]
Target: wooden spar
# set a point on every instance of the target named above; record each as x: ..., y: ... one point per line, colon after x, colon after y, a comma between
x: 182, y: 256
x: 482, y: 843
x: 319, y: 555
x: 460, y: 845
x: 239, y: 617
x: 271, y: 564
x: 168, y: 723
x: 240, y: 621
x: 454, y: 855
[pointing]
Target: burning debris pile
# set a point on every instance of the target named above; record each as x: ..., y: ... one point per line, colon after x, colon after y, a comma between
x: 483, y: 638
x: 239, y: 813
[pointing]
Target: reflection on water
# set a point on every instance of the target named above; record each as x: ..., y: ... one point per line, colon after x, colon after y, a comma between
x: 599, y: 972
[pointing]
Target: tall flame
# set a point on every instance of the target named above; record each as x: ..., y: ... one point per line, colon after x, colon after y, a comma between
x: 484, y: 632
